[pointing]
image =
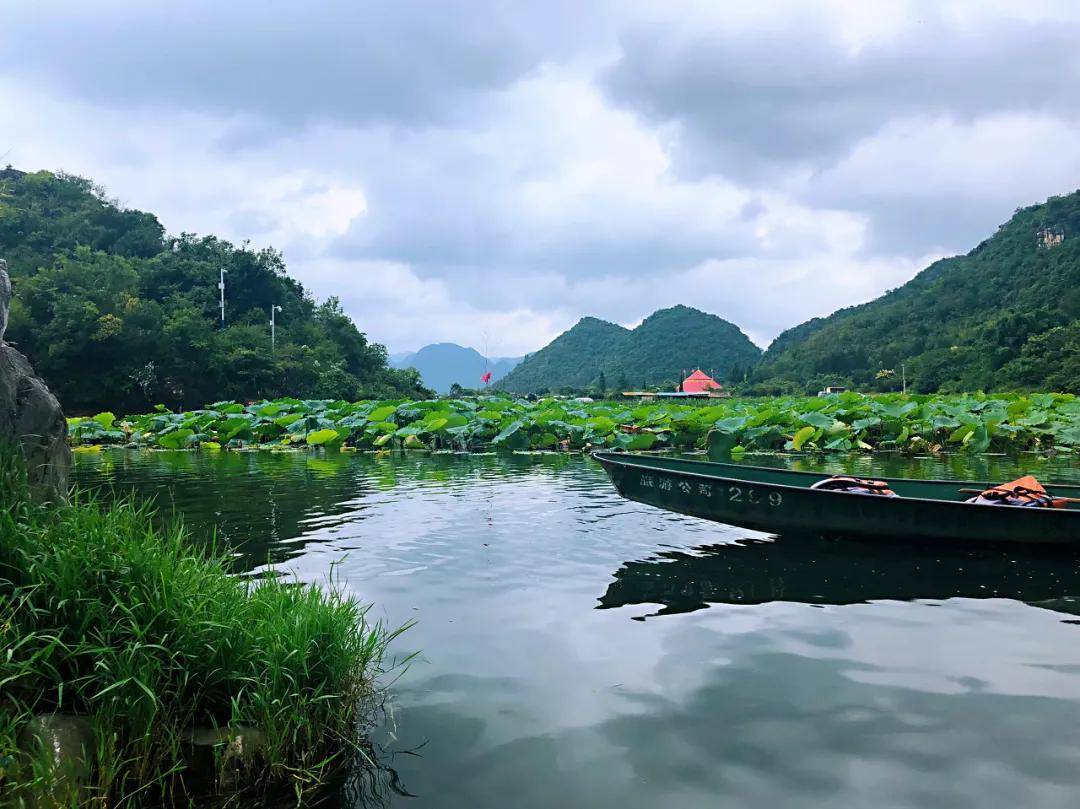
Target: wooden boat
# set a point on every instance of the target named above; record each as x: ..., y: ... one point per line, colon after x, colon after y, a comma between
x: 781, y: 501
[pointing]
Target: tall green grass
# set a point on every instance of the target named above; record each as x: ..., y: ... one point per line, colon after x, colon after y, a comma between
x: 108, y: 615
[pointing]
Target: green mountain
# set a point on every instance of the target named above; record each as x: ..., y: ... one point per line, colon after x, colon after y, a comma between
x: 675, y: 341
x: 1004, y: 316
x: 667, y: 344
x: 115, y: 314
x: 443, y: 364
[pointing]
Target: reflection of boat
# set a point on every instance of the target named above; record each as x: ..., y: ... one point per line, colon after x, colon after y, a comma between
x: 817, y: 571
x: 780, y: 500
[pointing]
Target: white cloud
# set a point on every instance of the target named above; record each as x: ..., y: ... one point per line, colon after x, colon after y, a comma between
x: 407, y: 312
x: 987, y: 157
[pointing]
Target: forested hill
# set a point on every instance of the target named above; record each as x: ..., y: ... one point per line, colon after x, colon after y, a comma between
x: 1005, y: 316
x: 668, y: 343
x: 677, y: 340
x: 574, y: 359
x: 116, y: 314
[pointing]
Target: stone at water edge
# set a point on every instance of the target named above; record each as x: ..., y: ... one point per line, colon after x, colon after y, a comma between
x: 30, y: 415
x: 62, y: 743
x: 239, y: 741
x: 231, y: 751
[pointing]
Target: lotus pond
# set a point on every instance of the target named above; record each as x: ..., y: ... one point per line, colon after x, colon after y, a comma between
x: 843, y: 422
x: 580, y: 650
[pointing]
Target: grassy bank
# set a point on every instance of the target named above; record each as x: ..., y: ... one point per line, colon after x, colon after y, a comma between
x: 843, y: 422
x: 107, y: 617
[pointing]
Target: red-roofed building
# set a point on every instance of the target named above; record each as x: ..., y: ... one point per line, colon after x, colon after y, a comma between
x: 699, y: 382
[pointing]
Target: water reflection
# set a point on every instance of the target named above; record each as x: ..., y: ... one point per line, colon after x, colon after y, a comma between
x: 816, y: 571
x: 781, y: 729
x: 268, y: 506
x: 923, y: 677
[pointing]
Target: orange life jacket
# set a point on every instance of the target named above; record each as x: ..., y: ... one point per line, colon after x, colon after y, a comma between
x: 1025, y: 491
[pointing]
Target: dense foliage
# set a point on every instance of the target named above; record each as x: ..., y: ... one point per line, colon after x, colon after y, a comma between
x: 1005, y: 316
x: 598, y: 355
x: 111, y: 617
x: 113, y: 313
x: 572, y: 360
x: 843, y: 422
x: 672, y: 342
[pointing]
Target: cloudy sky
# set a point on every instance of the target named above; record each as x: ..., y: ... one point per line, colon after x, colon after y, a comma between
x: 487, y: 173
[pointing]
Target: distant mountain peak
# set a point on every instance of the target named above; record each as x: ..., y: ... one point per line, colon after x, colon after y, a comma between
x: 443, y: 364
x: 590, y: 320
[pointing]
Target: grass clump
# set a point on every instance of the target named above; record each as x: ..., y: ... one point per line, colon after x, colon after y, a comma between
x: 107, y: 616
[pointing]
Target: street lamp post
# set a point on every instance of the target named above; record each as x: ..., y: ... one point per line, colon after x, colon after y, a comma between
x: 273, y: 327
x: 221, y: 288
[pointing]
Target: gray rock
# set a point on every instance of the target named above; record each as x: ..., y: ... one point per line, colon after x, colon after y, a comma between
x: 30, y: 416
x: 5, y: 297
x: 59, y: 747
x: 231, y: 752
x: 236, y: 742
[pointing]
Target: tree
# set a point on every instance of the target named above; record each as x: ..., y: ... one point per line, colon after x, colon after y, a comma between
x: 113, y: 314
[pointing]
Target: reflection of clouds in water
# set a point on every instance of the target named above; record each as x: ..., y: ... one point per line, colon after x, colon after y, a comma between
x: 772, y: 730
x: 964, y: 645
x: 761, y: 703
x: 774, y: 725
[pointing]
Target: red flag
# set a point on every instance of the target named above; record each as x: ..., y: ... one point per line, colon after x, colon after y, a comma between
x: 486, y: 377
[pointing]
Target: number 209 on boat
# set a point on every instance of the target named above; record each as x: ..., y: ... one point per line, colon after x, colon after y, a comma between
x: 733, y: 494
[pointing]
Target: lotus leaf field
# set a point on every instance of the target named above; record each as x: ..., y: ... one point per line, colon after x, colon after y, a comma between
x: 842, y: 422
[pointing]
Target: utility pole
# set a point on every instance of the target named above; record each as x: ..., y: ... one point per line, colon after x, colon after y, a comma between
x: 903, y: 378
x: 273, y: 326
x: 221, y: 288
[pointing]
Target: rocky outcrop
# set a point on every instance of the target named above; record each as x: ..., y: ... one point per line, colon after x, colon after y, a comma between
x: 59, y: 748
x: 5, y: 297
x: 30, y: 416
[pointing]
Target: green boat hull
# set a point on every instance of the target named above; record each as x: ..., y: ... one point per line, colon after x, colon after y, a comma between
x: 781, y: 501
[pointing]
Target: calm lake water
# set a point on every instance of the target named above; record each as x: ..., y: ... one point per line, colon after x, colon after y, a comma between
x: 580, y: 650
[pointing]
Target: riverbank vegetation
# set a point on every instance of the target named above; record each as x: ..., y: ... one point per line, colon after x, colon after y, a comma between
x: 842, y: 422
x: 114, y: 313
x: 173, y: 678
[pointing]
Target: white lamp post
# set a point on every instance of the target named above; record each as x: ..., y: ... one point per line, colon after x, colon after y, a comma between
x: 221, y: 288
x: 273, y: 326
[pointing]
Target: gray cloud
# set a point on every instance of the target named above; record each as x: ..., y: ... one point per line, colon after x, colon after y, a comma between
x: 751, y: 103
x: 286, y: 63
